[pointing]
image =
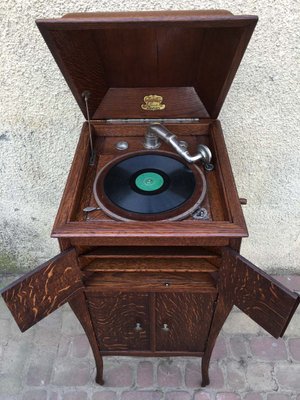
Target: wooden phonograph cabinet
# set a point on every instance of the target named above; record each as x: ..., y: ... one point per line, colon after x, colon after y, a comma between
x: 150, y: 222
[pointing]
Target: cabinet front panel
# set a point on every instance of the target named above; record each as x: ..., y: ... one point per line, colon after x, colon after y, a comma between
x: 121, y: 320
x: 183, y: 321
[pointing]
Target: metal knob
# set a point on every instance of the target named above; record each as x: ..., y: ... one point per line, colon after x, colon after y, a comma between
x: 122, y: 145
x: 138, y: 327
x: 165, y: 328
x: 151, y: 141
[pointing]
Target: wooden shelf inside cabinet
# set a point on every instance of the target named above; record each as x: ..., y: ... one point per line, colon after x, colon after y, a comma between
x: 150, y: 265
x: 151, y: 282
x: 150, y: 252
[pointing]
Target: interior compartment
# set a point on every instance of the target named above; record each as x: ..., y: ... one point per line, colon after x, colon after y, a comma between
x: 106, y: 136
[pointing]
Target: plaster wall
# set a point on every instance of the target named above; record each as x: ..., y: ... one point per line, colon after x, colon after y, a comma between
x: 40, y: 124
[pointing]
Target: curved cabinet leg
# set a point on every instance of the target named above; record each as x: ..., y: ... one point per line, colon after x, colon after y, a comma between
x: 80, y: 309
x: 221, y: 313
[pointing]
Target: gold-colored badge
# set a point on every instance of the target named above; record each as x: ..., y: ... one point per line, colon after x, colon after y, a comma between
x: 153, y: 102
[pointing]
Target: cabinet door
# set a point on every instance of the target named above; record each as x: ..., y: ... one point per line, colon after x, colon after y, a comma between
x: 121, y: 320
x: 183, y: 321
x: 256, y: 293
x: 38, y: 293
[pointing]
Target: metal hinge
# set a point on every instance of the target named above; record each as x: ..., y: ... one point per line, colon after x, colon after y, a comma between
x: 151, y: 120
x: 86, y: 94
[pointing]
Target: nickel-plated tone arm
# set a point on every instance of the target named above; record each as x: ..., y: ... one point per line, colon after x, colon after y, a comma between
x: 156, y: 131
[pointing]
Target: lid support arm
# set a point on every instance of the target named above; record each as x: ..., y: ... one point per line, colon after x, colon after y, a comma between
x: 86, y: 94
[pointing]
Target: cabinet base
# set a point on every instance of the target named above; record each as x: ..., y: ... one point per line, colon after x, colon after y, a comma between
x: 135, y: 353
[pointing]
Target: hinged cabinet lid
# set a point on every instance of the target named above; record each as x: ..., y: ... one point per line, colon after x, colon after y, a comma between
x: 149, y: 64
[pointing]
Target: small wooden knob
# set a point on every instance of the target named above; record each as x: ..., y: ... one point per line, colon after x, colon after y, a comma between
x: 243, y: 201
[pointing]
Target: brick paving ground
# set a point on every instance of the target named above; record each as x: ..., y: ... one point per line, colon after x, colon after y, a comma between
x: 53, y: 361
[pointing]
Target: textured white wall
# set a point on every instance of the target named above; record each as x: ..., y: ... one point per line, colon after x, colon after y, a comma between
x: 40, y: 123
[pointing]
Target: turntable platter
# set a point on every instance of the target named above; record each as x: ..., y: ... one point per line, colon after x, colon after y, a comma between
x: 149, y: 186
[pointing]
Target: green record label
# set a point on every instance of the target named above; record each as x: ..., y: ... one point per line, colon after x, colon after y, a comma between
x: 149, y: 181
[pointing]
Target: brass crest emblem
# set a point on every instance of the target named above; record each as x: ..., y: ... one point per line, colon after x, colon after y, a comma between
x: 153, y: 102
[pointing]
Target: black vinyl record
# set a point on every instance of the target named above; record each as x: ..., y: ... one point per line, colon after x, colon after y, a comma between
x: 149, y: 184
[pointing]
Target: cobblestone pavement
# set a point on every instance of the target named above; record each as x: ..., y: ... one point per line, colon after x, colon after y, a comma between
x: 53, y: 361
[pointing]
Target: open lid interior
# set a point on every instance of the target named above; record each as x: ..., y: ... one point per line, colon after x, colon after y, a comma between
x: 149, y: 64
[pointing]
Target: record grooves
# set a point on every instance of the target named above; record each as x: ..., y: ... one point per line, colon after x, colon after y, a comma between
x: 148, y: 186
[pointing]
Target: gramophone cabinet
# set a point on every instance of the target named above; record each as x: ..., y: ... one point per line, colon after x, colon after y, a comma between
x: 150, y: 241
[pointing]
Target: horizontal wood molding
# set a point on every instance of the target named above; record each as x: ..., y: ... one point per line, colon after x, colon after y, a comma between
x: 150, y: 282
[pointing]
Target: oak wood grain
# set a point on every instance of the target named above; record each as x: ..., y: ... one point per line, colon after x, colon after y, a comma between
x: 150, y: 282
x: 115, y: 317
x: 148, y: 15
x: 226, y: 178
x: 75, y: 179
x: 143, y: 252
x: 40, y: 292
x: 180, y: 102
x: 187, y: 316
x: 189, y: 49
x: 143, y: 230
x: 149, y: 265
x: 81, y: 66
x: 137, y: 128
x: 79, y: 306
x: 221, y: 312
x: 152, y: 241
x: 256, y: 293
x: 222, y: 52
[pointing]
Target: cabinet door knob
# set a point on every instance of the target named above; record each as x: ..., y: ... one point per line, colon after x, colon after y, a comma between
x: 165, y: 328
x: 138, y: 327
